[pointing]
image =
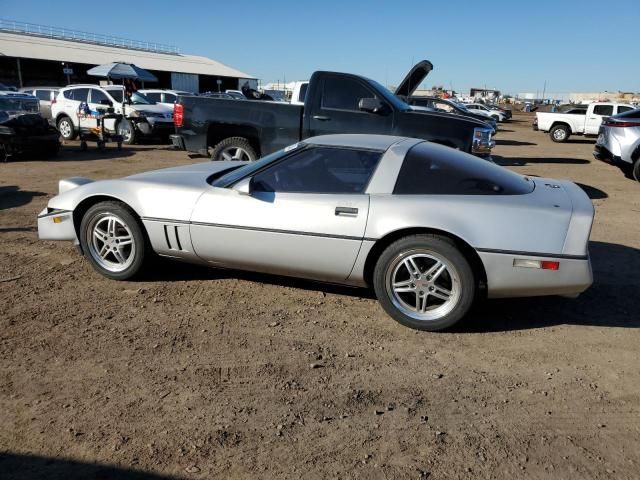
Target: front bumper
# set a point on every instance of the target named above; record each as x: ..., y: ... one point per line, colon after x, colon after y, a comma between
x: 152, y: 127
x: 504, y: 279
x: 56, y: 225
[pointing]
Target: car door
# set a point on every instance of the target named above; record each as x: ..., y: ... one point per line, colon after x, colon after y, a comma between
x: 100, y: 102
x: 337, y: 109
x: 305, y: 216
x: 595, y: 116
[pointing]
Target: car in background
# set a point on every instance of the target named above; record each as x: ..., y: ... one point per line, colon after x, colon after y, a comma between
x: 619, y: 142
x: 577, y: 121
x: 449, y: 106
x: 507, y: 111
x: 142, y: 116
x: 236, y: 94
x: 425, y: 226
x: 299, y: 92
x: 497, y: 115
x: 163, y: 96
x: 22, y: 129
x: 46, y: 96
x: 226, y: 96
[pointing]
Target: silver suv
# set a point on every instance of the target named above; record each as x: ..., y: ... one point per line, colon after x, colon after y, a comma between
x: 619, y: 142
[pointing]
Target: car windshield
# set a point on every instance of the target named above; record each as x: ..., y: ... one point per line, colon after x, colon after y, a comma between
x: 239, y: 173
x: 135, y: 99
x: 16, y: 105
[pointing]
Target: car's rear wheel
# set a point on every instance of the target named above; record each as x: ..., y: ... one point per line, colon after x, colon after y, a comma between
x: 560, y: 133
x: 66, y: 128
x: 636, y: 170
x: 113, y: 241
x: 424, y: 282
x: 234, y: 148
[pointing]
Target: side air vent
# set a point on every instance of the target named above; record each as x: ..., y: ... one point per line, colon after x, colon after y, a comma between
x: 172, y: 237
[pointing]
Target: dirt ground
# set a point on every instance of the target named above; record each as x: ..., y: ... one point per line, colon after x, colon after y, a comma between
x: 198, y: 374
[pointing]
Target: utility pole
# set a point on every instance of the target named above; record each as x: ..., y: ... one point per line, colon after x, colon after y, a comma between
x: 544, y: 89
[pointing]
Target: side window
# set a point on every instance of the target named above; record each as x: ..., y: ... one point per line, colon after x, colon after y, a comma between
x: 428, y: 172
x: 98, y: 97
x: 153, y: 96
x: 624, y: 109
x: 603, y: 110
x: 80, y: 94
x: 168, y: 98
x: 444, y: 106
x: 68, y: 94
x: 343, y: 93
x: 320, y: 170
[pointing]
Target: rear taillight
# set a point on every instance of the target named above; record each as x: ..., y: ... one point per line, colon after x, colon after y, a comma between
x: 620, y: 123
x: 178, y: 114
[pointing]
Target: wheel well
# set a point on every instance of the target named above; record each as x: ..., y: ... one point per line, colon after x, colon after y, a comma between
x: 636, y: 154
x: 60, y: 117
x: 467, y: 250
x: 89, y: 202
x: 219, y: 131
x: 564, y: 124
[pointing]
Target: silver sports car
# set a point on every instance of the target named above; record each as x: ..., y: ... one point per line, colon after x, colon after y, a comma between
x: 426, y: 226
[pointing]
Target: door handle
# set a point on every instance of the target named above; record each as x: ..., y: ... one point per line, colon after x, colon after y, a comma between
x: 321, y: 118
x: 347, y: 211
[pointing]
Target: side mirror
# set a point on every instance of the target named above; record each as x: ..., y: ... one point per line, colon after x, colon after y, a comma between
x: 244, y: 186
x: 371, y: 105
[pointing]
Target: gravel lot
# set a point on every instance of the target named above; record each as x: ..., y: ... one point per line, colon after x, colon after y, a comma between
x: 197, y: 373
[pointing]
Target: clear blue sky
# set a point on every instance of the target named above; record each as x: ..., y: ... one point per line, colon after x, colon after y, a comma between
x: 510, y: 45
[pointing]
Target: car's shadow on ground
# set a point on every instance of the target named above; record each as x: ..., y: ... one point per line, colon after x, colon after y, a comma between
x: 612, y: 301
x: 521, y: 161
x: 34, y: 467
x: 513, y: 143
x: 592, y: 192
x: 11, y: 196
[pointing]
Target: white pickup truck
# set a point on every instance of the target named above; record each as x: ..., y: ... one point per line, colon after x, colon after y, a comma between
x: 577, y: 120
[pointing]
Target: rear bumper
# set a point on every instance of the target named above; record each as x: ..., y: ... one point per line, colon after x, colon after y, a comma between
x: 573, y: 277
x: 602, y: 153
x: 15, y: 144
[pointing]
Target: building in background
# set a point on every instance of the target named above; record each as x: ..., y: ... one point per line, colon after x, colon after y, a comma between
x: 38, y: 55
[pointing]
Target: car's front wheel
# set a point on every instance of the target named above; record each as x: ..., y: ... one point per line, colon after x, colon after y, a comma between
x: 127, y: 131
x: 113, y: 241
x: 424, y: 282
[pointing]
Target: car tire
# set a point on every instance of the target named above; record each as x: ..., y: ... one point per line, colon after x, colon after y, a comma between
x: 636, y: 170
x: 67, y: 129
x: 127, y: 130
x: 113, y: 240
x: 560, y: 133
x: 495, y: 117
x: 234, y: 148
x: 438, y: 295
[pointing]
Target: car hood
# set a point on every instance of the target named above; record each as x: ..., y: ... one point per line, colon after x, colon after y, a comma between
x: 414, y: 78
x: 462, y: 118
x: 192, y: 175
x: 157, y: 108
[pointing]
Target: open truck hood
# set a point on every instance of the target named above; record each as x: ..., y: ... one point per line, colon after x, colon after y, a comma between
x: 414, y: 78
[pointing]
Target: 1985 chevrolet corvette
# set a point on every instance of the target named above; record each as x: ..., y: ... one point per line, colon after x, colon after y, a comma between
x: 426, y: 226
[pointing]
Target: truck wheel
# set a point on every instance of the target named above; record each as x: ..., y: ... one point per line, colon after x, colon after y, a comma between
x: 560, y: 133
x: 66, y: 128
x: 234, y: 148
x: 127, y: 131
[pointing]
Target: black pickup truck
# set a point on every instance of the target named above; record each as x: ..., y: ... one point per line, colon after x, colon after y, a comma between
x: 334, y: 103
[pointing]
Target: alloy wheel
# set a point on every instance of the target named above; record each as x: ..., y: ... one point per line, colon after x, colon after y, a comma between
x: 234, y: 153
x: 111, y: 243
x: 423, y: 285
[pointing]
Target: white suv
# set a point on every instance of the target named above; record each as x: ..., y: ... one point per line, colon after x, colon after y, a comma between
x: 164, y: 96
x: 142, y: 116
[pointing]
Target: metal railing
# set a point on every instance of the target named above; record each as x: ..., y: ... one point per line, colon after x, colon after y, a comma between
x: 11, y: 26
